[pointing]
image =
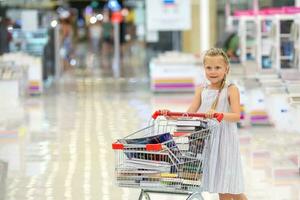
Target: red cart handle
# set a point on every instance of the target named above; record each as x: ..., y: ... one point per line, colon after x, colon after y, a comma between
x: 117, y: 146
x: 149, y: 147
x: 218, y: 116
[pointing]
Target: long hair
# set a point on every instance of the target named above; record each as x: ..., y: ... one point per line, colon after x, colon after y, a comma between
x: 217, y: 52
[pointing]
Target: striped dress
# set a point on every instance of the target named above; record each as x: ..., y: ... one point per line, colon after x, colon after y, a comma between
x: 222, y: 171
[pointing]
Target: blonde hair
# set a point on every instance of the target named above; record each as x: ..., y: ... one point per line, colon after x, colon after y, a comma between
x: 217, y: 52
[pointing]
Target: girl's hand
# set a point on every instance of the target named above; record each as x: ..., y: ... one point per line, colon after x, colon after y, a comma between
x: 165, y: 114
x: 210, y: 114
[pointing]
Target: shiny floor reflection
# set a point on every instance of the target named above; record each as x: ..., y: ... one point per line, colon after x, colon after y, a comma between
x: 61, y: 147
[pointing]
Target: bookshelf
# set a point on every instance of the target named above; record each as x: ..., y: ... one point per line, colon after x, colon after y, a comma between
x: 24, y: 69
x: 282, y: 49
x: 265, y: 42
x: 247, y: 32
x: 275, y: 45
x: 271, y: 37
x: 246, y: 23
x: 295, y: 37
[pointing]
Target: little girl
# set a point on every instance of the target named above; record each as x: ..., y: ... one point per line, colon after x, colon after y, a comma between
x: 223, y: 172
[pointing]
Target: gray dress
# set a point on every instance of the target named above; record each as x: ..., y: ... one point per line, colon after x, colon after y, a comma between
x: 222, y: 171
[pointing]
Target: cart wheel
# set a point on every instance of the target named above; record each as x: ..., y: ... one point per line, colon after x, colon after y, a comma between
x: 196, y: 195
x: 144, y: 194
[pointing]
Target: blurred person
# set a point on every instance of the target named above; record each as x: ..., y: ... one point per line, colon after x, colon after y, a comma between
x: 229, y: 42
x: 95, y: 34
x: 231, y: 47
x: 107, y: 40
x: 107, y: 28
x: 5, y: 35
x: 66, y: 36
x: 49, y: 56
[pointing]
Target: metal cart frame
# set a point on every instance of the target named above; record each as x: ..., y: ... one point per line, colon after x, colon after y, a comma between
x: 161, y: 158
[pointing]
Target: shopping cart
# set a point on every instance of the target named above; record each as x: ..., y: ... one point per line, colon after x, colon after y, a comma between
x: 167, y: 156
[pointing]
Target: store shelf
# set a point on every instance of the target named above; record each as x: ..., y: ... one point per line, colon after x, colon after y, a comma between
x: 175, y: 73
x: 10, y: 90
x: 294, y: 99
x: 275, y: 89
x: 285, y: 35
x: 286, y: 58
x: 26, y: 70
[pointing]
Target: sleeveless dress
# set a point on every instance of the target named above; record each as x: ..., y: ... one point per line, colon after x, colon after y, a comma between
x: 222, y: 170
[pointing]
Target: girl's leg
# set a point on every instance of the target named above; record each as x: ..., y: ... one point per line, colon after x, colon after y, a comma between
x: 239, y: 197
x: 225, y: 197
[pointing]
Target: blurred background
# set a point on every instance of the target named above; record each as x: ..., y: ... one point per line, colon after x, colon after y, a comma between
x: 76, y: 75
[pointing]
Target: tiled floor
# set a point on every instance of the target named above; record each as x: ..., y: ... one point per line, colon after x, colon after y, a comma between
x: 58, y: 145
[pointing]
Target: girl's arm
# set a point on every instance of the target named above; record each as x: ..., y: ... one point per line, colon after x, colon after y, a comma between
x: 193, y: 107
x: 234, y: 101
x: 196, y: 101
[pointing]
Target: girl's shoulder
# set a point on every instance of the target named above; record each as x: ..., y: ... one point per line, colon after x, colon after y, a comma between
x: 232, y: 89
x: 201, y: 86
x: 231, y: 85
x: 199, y: 89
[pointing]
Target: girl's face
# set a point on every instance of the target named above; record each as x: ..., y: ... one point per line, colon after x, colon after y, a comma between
x: 215, y: 68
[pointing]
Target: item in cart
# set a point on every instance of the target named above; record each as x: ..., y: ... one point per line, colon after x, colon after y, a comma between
x: 127, y: 183
x: 168, y: 175
x: 190, y: 175
x: 169, y: 168
x: 191, y: 182
x: 197, y: 141
x: 191, y: 166
x: 155, y: 139
x: 189, y: 129
x: 137, y: 164
x: 185, y: 128
x: 183, y: 146
x: 171, y: 182
x: 191, y: 122
x: 165, y: 138
x: 150, y: 184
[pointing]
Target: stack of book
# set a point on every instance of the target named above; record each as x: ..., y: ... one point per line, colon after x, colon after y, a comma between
x: 34, y: 87
x: 259, y: 117
x: 184, y: 130
x: 242, y: 122
x: 177, y: 166
x: 176, y: 83
x: 186, y: 126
